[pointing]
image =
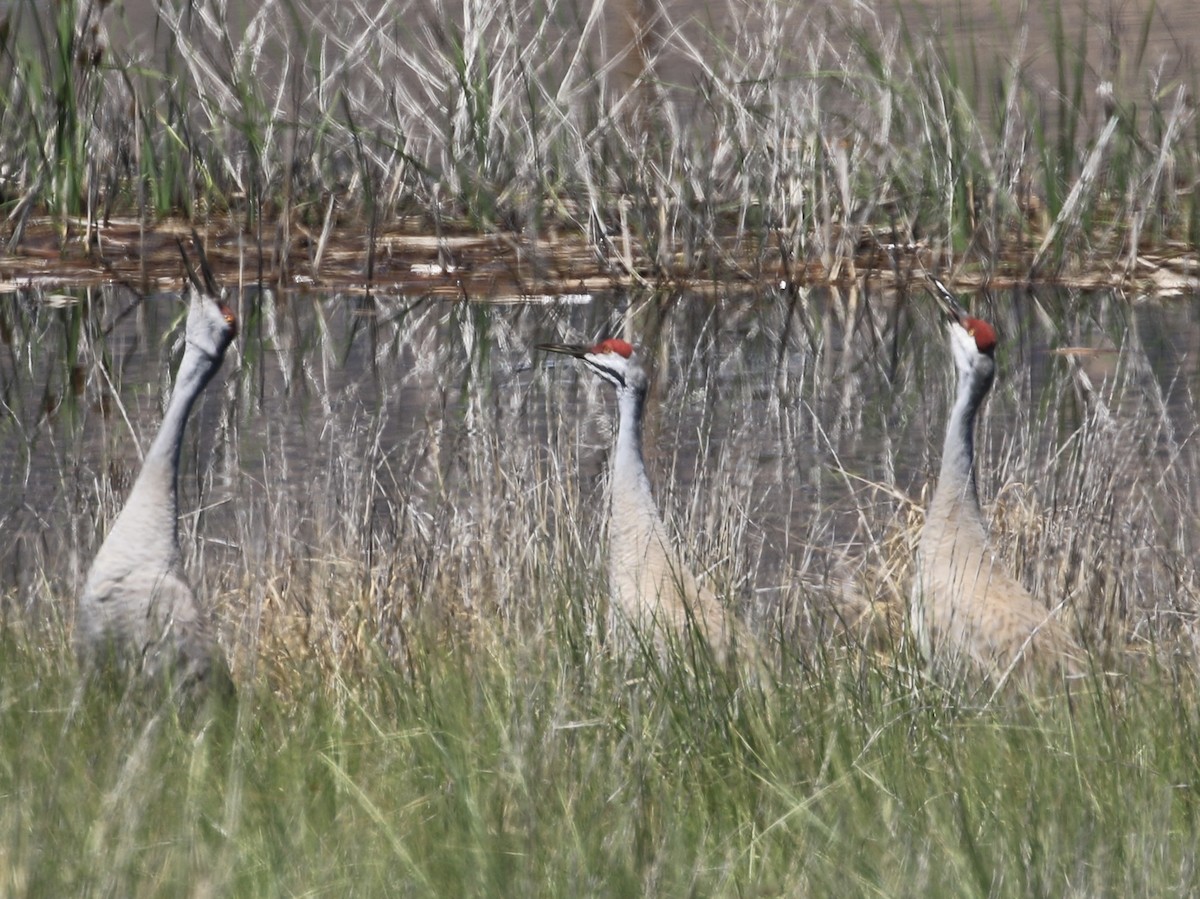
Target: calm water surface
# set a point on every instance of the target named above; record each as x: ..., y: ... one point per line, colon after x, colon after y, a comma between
x: 425, y: 445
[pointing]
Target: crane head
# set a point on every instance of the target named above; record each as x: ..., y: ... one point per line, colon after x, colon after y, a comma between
x: 211, y: 323
x: 613, y: 359
x: 973, y: 343
x: 979, y: 332
x: 972, y: 340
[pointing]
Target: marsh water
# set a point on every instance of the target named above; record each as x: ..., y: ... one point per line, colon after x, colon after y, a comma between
x: 417, y: 451
x: 1161, y: 35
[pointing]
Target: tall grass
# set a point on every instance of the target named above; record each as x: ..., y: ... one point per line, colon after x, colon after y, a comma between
x: 497, y: 767
x: 397, y: 512
x: 801, y: 142
x: 362, y: 453
x: 397, y: 515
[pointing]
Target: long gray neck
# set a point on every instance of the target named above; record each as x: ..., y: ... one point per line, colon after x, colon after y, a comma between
x: 152, y: 510
x: 956, y: 483
x: 630, y: 404
x: 195, y: 371
x: 632, y: 501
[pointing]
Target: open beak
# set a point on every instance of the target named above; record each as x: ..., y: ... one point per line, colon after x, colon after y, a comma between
x: 210, y: 288
x: 946, y: 299
x: 187, y: 264
x: 210, y: 282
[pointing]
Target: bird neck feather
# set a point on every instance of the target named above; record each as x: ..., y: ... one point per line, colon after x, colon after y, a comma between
x: 632, y: 501
x: 154, y: 498
x: 195, y: 371
x: 630, y: 405
x: 956, y: 483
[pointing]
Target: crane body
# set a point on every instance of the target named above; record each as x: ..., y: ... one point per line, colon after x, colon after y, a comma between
x: 137, y: 607
x: 967, y: 609
x: 650, y: 587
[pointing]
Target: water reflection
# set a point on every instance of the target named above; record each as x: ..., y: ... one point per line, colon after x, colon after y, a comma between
x: 359, y: 461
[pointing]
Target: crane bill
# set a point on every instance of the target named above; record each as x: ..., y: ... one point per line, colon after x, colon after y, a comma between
x: 945, y: 297
x: 187, y: 264
x: 209, y: 286
x: 210, y: 282
x: 566, y: 349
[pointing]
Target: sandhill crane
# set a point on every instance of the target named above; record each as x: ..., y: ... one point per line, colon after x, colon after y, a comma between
x: 966, y: 607
x: 137, y: 608
x: 649, y: 585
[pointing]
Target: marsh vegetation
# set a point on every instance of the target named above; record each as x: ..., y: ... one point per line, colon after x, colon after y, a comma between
x: 395, y: 507
x: 345, y: 142
x: 398, y: 512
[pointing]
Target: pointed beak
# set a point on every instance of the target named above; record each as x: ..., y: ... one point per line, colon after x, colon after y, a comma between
x: 589, y: 358
x: 945, y: 298
x: 210, y: 282
x: 187, y: 264
x: 577, y: 350
x: 209, y: 287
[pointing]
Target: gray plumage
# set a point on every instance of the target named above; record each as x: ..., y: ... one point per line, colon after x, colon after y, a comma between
x: 649, y: 585
x: 137, y: 607
x: 967, y: 609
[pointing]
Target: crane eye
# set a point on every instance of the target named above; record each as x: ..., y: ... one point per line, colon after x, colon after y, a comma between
x: 970, y: 332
